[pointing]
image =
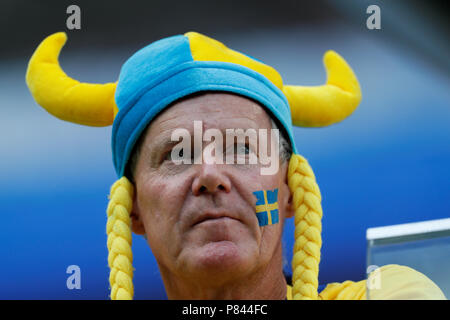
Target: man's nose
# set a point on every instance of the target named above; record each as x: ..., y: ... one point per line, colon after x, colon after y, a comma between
x: 211, y: 179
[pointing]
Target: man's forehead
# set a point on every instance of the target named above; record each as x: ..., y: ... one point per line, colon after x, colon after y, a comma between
x: 215, y: 110
x: 219, y: 102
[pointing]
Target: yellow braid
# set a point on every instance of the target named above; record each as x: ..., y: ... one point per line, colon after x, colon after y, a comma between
x: 118, y: 229
x: 308, y: 228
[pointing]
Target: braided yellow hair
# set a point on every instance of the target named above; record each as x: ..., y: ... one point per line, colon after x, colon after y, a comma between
x: 118, y: 229
x: 308, y: 226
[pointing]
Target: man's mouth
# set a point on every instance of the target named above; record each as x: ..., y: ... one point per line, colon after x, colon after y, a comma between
x: 213, y: 217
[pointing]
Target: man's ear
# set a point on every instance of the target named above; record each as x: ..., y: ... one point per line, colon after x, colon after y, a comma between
x: 287, y: 195
x: 137, y: 226
x: 290, y: 211
x: 289, y: 208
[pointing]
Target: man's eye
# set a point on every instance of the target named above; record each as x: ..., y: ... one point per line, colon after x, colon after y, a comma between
x: 242, y: 149
x: 168, y: 155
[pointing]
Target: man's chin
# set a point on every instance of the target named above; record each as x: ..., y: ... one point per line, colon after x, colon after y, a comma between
x: 221, y: 259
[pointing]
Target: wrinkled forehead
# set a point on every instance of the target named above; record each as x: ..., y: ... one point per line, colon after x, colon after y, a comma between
x: 220, y: 110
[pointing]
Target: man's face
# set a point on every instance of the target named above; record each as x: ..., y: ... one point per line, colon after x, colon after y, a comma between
x: 200, y: 219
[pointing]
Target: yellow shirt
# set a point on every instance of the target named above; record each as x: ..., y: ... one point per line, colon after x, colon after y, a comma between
x: 390, y: 282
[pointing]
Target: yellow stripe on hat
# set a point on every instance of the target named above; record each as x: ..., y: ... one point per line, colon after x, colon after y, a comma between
x: 204, y: 48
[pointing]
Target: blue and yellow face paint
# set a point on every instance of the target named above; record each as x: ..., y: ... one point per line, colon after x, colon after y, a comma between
x: 267, y: 207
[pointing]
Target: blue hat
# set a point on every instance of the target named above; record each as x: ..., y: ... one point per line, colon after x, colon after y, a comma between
x: 168, y: 70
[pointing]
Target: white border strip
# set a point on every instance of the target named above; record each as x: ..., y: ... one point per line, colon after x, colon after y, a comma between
x: 399, y: 230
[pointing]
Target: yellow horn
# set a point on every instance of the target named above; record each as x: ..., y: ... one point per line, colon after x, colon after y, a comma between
x: 327, y: 104
x: 65, y: 98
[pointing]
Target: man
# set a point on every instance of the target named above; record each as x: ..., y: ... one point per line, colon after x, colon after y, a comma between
x: 215, y: 227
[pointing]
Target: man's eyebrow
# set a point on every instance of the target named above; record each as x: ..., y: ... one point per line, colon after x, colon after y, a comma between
x: 162, y: 141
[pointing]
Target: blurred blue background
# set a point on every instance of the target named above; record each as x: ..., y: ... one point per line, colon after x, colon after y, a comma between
x: 386, y: 164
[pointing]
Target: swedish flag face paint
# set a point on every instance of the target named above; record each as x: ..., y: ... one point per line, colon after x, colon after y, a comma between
x: 267, y: 206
